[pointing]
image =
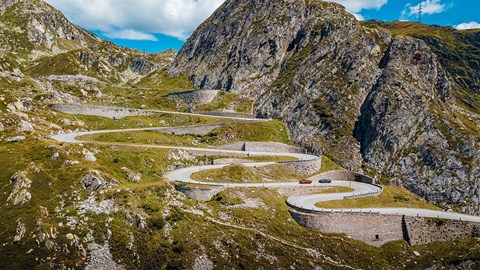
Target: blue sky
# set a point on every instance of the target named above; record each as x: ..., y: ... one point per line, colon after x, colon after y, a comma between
x: 156, y: 25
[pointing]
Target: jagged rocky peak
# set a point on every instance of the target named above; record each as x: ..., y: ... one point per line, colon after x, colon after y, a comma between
x: 369, y: 99
x: 241, y: 47
x: 33, y: 28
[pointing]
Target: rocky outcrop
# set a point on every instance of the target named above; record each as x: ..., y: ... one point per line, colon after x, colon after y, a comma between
x: 90, y: 205
x: 100, y: 257
x: 21, y: 184
x: 20, y: 232
x: 93, y: 181
x: 131, y: 175
x: 196, y: 97
x: 364, y: 97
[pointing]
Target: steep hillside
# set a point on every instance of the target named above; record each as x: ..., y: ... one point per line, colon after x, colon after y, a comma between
x: 367, y: 98
x: 458, y: 52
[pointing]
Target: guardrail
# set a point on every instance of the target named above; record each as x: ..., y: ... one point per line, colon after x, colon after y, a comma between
x: 331, y: 211
x: 368, y: 194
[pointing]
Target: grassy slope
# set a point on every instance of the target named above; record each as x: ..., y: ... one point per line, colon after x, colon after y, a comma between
x: 271, y: 131
x: 391, y: 197
x: 225, y: 101
x: 271, y: 173
x: 151, y: 92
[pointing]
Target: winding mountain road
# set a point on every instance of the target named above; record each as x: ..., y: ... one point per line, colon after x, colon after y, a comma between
x: 304, y: 203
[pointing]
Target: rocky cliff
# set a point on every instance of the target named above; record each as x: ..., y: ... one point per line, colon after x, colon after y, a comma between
x: 367, y: 98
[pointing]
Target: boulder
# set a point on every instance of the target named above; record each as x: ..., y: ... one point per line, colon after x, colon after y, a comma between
x: 132, y: 176
x: 24, y: 126
x: 89, y: 155
x: 93, y: 181
x: 140, y: 221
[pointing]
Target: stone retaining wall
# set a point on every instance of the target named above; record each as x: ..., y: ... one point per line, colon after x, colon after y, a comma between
x: 372, y: 229
x: 376, y: 229
x: 228, y: 114
x: 347, y: 176
x: 196, y: 96
x: 423, y: 231
x: 203, y: 194
x: 304, y: 167
x: 269, y: 147
x: 228, y: 161
x: 109, y: 112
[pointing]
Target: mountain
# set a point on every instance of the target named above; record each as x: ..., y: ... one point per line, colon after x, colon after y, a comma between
x: 457, y: 51
x: 351, y: 90
x: 32, y: 28
x: 40, y: 41
x: 367, y: 97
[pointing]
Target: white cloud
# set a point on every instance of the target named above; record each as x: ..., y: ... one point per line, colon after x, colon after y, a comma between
x: 429, y: 7
x: 134, y: 19
x: 130, y: 34
x: 469, y: 25
x: 355, y: 6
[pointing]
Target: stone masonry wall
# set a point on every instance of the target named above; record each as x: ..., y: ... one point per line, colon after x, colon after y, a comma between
x: 304, y: 167
x: 376, y: 229
x: 427, y: 230
x: 269, y: 147
x: 109, y: 112
x: 347, y: 176
x: 196, y: 96
x: 372, y: 229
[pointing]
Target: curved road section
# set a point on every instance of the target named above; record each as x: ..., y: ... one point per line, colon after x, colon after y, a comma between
x: 305, y: 203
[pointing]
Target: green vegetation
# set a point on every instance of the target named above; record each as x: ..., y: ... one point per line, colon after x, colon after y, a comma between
x: 390, y: 197
x: 145, y: 138
x: 229, y: 174
x: 268, y: 131
x: 270, y: 173
x: 154, y: 120
x: 271, y: 131
x: 226, y: 100
x: 283, y: 84
x: 150, y: 93
x: 151, y: 163
x: 328, y: 165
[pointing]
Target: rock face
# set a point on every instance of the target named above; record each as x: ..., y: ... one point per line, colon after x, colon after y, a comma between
x: 368, y: 99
